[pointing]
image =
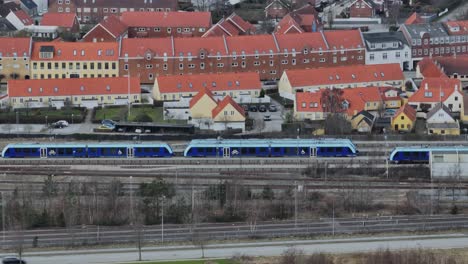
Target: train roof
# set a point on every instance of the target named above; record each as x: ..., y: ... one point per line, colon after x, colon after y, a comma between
x: 449, y: 149
x: 89, y: 145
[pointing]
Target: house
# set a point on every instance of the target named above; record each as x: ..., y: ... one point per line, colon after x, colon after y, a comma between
x: 66, y: 22
x: 15, y: 56
x: 439, y: 121
x: 304, y: 19
x: 110, y: 29
x: 362, y: 8
x: 5, y: 10
x: 436, y: 39
x: 42, y: 6
x: 293, y: 81
x: 415, y: 18
x: 436, y: 90
x: 268, y: 55
x: 53, y: 60
x: 207, y: 113
x: 387, y: 47
x: 93, y: 11
x: 29, y: 6
x: 464, y: 111
x: 173, y: 88
x: 19, y: 19
x: 404, y: 119
x: 455, y: 67
x: 279, y: 8
x: 88, y: 92
x: 232, y: 25
x: 165, y: 24
x: 363, y: 122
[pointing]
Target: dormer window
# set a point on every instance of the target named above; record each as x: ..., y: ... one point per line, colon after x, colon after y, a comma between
x: 82, y: 88
x: 55, y: 89
x: 99, y: 53
x: 46, y: 52
x: 41, y: 90
x: 29, y: 90
x: 108, y: 88
x: 74, y: 52
x: 82, y: 52
x: 237, y: 83
x: 148, y: 56
x: 213, y: 84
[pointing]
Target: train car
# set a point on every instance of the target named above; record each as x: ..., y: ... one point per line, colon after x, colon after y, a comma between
x: 271, y: 148
x: 93, y: 150
x: 420, y: 154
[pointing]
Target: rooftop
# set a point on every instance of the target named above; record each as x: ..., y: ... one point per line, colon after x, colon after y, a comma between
x: 15, y: 47
x: 65, y: 20
x: 78, y: 51
x: 166, y: 19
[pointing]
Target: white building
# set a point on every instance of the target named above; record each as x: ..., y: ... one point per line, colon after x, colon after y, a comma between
x: 387, y: 47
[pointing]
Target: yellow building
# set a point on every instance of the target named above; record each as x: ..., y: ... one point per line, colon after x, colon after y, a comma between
x: 404, y: 119
x: 53, y: 60
x: 172, y: 88
x: 15, y: 55
x: 88, y: 92
x: 363, y: 122
x: 440, y: 121
x: 202, y: 105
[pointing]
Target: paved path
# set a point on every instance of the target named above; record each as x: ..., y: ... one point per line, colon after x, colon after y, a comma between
x: 251, y: 249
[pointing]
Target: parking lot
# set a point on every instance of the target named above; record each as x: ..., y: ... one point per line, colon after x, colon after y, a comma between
x: 271, y: 124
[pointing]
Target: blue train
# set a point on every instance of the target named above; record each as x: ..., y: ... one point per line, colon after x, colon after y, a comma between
x: 271, y: 148
x: 196, y: 148
x: 81, y: 150
x: 420, y: 154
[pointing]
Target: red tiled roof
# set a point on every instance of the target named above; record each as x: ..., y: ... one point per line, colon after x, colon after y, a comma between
x: 310, y: 40
x: 451, y: 65
x: 262, y: 44
x: 113, y: 25
x: 214, y: 82
x: 10, y: 46
x: 231, y: 26
x: 431, y: 89
x: 457, y: 27
x: 211, y: 45
x: 214, y: 31
x: 307, y: 19
x: 429, y: 69
x: 309, y: 98
x: 414, y: 19
x: 69, y: 87
x: 240, y: 23
x: 408, y: 110
x: 167, y: 19
x: 204, y: 91
x: 72, y: 51
x: 343, y: 38
x: 288, y: 25
x: 25, y: 18
x: 65, y: 20
x: 345, y: 74
x: 138, y: 47
x: 225, y: 102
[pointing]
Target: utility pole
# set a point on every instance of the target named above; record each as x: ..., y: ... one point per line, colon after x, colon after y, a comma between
x: 3, y: 220
x: 162, y: 219
x: 131, y: 200
x: 295, y: 203
x: 333, y: 218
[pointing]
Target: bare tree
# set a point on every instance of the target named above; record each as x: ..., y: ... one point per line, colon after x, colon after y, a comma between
x: 199, y: 240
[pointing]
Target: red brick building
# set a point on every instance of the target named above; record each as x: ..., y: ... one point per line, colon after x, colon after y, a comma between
x: 166, y: 24
x: 361, y: 8
x: 232, y: 25
x: 109, y: 29
x: 268, y: 55
x: 93, y: 11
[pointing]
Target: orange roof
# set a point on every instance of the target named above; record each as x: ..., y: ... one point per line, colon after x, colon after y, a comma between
x: 408, y: 110
x: 167, y: 19
x: 345, y: 75
x: 113, y: 25
x: 309, y: 102
x: 240, y: 23
x: 225, y: 102
x: 214, y: 82
x: 204, y: 91
x: 139, y: 47
x: 262, y: 44
x: 72, y: 87
x: 344, y: 39
x: 78, y: 51
x: 435, y: 90
x: 231, y: 26
x: 429, y: 69
x: 414, y: 19
x: 65, y: 20
x: 211, y: 45
x: 25, y: 18
x: 288, y: 25
x: 457, y: 27
x: 11, y: 47
x: 310, y: 40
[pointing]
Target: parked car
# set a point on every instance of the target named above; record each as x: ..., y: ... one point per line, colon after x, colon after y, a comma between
x: 267, y: 118
x: 60, y: 124
x: 262, y: 108
x: 272, y: 108
x: 12, y: 260
x: 253, y: 108
x: 246, y: 108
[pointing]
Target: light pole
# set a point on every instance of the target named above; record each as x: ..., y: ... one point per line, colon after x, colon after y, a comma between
x: 131, y: 200
x: 295, y: 203
x: 46, y: 122
x: 72, y: 116
x: 162, y: 218
x: 3, y: 220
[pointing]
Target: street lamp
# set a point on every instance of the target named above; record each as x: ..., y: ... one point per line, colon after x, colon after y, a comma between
x: 131, y: 200
x: 3, y: 219
x: 162, y: 218
x: 72, y: 116
x: 46, y: 122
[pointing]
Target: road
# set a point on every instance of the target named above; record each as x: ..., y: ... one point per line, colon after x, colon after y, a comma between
x: 353, y: 245
x: 453, y: 15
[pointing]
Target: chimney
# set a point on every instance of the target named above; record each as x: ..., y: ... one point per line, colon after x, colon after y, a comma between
x: 426, y: 87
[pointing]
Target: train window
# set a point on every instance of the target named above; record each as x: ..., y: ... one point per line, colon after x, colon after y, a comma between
x: 263, y: 149
x: 93, y: 150
x: 339, y: 149
x: 251, y: 150
x: 69, y: 151
x: 147, y: 150
x: 60, y: 151
x: 406, y: 154
x: 276, y: 149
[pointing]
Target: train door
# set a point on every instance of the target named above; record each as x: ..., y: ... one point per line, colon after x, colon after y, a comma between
x: 226, y: 152
x: 43, y: 152
x: 130, y: 152
x: 313, y: 152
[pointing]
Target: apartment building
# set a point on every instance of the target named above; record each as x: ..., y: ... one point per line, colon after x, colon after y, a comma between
x: 15, y: 56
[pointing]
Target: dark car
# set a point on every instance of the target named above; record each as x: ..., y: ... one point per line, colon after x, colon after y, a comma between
x: 272, y: 108
x: 12, y: 260
x: 262, y: 108
x: 253, y: 108
x: 246, y: 108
